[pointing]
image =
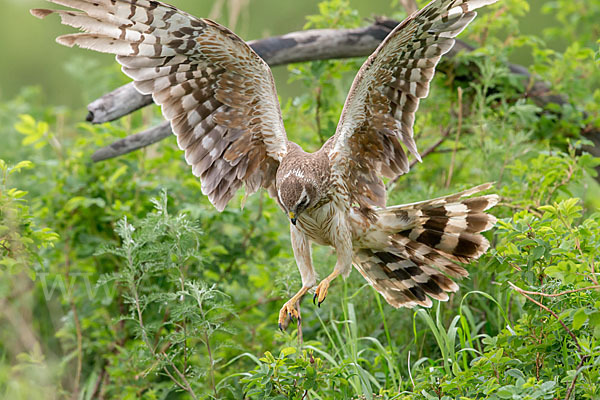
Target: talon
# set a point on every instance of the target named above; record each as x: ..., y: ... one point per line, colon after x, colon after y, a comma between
x: 315, y: 299
x: 291, y: 310
x: 321, y: 290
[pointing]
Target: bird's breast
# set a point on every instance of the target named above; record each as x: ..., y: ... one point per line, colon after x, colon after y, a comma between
x: 318, y: 223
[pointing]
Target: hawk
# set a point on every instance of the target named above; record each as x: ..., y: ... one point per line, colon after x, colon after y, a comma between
x: 220, y: 99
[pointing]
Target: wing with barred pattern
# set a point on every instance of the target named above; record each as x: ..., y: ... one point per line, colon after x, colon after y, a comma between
x: 218, y: 94
x: 380, y: 108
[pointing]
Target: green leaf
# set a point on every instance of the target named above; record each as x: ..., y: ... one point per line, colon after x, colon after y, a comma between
x: 505, y: 392
x: 515, y: 373
x: 550, y: 209
x: 286, y: 351
x: 538, y: 252
x: 579, y: 318
x: 21, y: 165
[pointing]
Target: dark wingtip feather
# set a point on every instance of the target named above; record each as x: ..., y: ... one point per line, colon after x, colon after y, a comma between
x: 40, y: 13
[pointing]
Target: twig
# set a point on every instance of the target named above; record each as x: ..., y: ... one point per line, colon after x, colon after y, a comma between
x: 185, y: 385
x: 584, y: 358
x: 458, y: 130
x: 561, y: 293
x: 67, y: 250
x: 593, y: 274
x: 98, y: 384
x: 212, y: 363
x: 524, y: 293
x: 508, y: 203
x: 318, y: 114
x: 299, y: 324
x: 577, y: 371
x: 427, y: 152
x: 208, y: 349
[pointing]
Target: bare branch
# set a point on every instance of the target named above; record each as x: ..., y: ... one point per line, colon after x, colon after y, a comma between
x: 460, y: 122
x: 116, y: 104
x: 427, y: 152
x: 133, y: 142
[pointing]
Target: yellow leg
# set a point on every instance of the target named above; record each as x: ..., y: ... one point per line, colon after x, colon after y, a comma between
x: 321, y: 290
x: 291, y: 309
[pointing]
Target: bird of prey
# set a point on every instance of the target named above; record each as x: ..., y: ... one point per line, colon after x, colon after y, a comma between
x: 220, y: 99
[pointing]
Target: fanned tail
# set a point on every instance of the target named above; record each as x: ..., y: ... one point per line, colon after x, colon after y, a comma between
x: 423, y: 243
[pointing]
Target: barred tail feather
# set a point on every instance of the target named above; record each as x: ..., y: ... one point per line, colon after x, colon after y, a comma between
x: 423, y: 244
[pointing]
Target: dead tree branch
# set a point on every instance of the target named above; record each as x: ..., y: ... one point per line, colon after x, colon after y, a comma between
x: 133, y: 142
x: 310, y: 45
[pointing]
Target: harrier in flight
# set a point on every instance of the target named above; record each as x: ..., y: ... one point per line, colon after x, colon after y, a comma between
x: 220, y: 99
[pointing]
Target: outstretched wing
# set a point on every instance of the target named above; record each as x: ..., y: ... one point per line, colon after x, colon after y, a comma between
x: 218, y: 94
x: 380, y: 108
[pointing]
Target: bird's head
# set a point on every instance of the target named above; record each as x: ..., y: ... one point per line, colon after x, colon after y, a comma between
x: 297, y: 193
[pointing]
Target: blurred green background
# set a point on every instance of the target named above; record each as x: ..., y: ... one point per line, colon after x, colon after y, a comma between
x: 29, y: 55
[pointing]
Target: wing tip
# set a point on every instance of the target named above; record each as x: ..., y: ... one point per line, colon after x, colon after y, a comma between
x: 40, y: 13
x: 66, y: 40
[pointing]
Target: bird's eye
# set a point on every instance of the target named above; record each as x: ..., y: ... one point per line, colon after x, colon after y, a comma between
x: 303, y: 203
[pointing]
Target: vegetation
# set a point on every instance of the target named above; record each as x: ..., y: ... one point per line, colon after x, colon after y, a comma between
x: 120, y: 280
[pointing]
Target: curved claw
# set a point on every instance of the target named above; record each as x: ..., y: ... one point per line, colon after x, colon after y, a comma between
x: 288, y: 313
x: 321, y: 292
x: 315, y: 299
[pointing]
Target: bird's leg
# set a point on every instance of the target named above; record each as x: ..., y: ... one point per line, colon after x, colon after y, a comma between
x: 343, y: 266
x: 321, y: 290
x: 301, y: 247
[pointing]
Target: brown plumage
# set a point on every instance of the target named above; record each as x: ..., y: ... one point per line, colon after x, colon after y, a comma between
x: 220, y: 98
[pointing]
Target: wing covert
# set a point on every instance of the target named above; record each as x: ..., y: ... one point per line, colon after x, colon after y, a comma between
x: 218, y: 94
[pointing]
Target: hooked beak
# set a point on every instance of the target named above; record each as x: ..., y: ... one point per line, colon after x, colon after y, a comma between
x: 292, y: 217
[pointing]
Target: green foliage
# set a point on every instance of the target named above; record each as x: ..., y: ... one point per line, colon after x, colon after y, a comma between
x: 292, y: 378
x: 21, y: 241
x: 158, y: 254
x: 20, y: 238
x: 106, y: 293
